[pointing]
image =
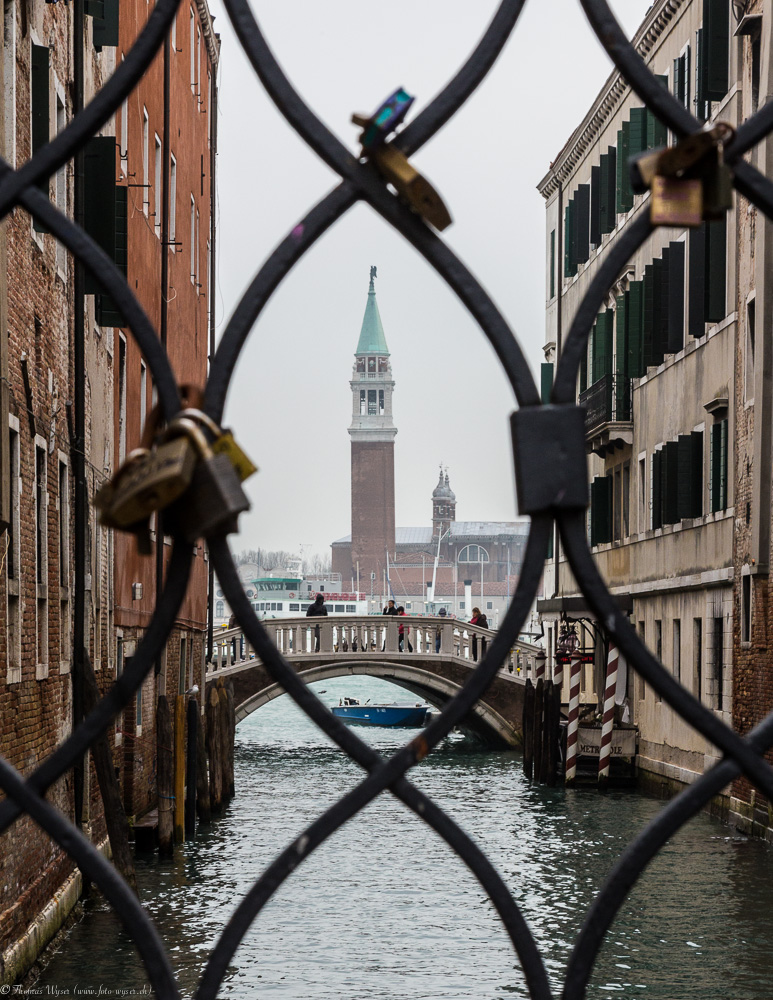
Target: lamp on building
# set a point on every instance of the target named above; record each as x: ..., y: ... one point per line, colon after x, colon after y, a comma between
x: 568, y: 640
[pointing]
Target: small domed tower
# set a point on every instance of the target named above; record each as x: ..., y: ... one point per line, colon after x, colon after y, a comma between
x: 443, y: 505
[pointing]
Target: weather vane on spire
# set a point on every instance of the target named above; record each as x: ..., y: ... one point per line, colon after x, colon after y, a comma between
x: 373, y: 275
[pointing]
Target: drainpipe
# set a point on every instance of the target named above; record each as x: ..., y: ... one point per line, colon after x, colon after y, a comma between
x: 79, y: 444
x: 163, y: 322
x: 559, y: 340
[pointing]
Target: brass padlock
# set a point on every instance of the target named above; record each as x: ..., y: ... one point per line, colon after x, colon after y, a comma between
x: 150, y: 483
x: 224, y: 443
x: 214, y: 499
x: 676, y: 201
x: 415, y: 189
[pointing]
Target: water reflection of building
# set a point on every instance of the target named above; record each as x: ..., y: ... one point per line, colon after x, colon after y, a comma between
x: 383, y: 560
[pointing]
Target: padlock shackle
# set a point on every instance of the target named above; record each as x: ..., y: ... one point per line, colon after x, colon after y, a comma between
x: 184, y: 427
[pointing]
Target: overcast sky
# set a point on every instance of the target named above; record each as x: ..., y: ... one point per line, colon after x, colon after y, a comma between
x: 290, y: 402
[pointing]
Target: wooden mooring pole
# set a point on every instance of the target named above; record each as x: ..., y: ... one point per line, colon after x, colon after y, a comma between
x: 214, y: 744
x: 179, y: 768
x: 202, y: 778
x: 164, y: 777
x: 190, y: 769
x: 528, y: 729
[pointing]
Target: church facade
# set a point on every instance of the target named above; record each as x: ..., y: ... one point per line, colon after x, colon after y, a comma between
x: 445, y: 563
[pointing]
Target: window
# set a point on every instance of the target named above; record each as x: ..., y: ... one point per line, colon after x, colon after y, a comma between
x: 715, y: 49
x: 697, y: 652
x: 676, y: 660
x: 552, y: 265
x: 755, y: 52
x: 489, y: 606
x: 193, y: 241
x: 658, y: 647
x: 12, y: 556
x: 40, y: 108
x: 751, y: 322
x: 174, y: 33
x: 601, y: 510
x: 338, y: 608
x: 64, y: 525
x: 143, y: 395
x: 639, y: 678
x: 196, y: 244
x: 198, y: 62
x: 351, y: 609
x: 138, y: 709
x: 60, y: 185
x: 295, y: 607
x: 372, y: 411
x: 717, y: 657
x: 718, y: 472
x: 124, y: 142
x: 193, y: 52
x: 682, y: 78
x: 157, y: 185
x: 746, y: 606
x: 473, y: 554
x: 643, y: 505
x: 121, y: 398
x: 41, y: 556
x: 219, y: 609
x: 172, y: 200
x: 145, y: 164
x: 363, y: 402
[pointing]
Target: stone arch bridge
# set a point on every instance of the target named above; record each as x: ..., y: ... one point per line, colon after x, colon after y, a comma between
x: 440, y: 659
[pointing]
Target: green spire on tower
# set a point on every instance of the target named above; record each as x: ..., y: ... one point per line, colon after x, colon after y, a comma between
x: 372, y: 339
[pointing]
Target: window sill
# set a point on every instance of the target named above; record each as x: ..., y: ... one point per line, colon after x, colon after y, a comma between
x: 41, y: 671
x: 64, y: 666
x: 13, y: 676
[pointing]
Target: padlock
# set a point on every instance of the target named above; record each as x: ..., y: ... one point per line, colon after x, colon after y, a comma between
x: 378, y: 126
x: 411, y: 186
x: 214, y: 499
x: 643, y: 168
x: 224, y: 443
x: 676, y: 201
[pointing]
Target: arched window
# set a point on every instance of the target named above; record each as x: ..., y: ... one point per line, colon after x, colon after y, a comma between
x: 219, y: 609
x: 473, y: 554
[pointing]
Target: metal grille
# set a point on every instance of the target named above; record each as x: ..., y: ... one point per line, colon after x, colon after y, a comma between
x: 537, y: 492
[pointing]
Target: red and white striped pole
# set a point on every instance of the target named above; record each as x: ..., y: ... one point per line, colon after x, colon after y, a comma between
x: 608, y: 717
x: 558, y: 674
x: 575, y: 666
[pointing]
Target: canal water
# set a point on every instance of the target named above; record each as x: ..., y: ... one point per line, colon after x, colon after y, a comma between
x: 385, y: 910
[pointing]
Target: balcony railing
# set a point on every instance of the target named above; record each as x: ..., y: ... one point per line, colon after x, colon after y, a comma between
x: 607, y: 401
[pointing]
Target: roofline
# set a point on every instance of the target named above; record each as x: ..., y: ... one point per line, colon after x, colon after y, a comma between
x: 210, y: 35
x: 609, y: 97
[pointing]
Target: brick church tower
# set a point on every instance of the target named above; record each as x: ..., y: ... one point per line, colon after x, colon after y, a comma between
x: 373, y: 449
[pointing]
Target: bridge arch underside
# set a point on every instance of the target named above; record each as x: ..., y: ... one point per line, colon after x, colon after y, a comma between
x: 496, y: 719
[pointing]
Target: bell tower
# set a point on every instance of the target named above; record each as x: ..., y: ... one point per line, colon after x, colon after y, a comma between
x: 443, y: 506
x: 373, y: 451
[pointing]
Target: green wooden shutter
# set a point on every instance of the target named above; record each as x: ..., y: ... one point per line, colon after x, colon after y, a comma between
x: 657, y: 509
x: 40, y: 110
x: 621, y: 336
x: 696, y: 469
x: 584, y: 371
x: 670, y: 482
x: 595, y: 353
x: 723, y: 491
x: 702, y: 104
x: 624, y: 199
x: 638, y: 134
x: 657, y: 133
x: 582, y: 222
x: 648, y: 318
x: 606, y: 211
x: 546, y: 381
x: 595, y: 206
x: 552, y: 279
x: 105, y: 218
x: 633, y: 320
x: 719, y: 466
x: 570, y: 264
x: 684, y: 500
x: 716, y: 269
x: 106, y: 26
x: 716, y: 41
x: 601, y: 510
x: 675, y: 297
x: 696, y: 292
x: 108, y: 313
x: 606, y: 323
x: 660, y: 309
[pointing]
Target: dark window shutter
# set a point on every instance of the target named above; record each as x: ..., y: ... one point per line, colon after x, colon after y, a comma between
x: 696, y: 292
x: 94, y: 8
x: 621, y: 335
x: 723, y: 464
x: 601, y: 510
x: 696, y: 469
x: 624, y: 200
x: 702, y: 104
x: 552, y: 279
x: 657, y: 512
x: 715, y: 38
x: 657, y: 133
x: 584, y: 371
x: 40, y: 110
x: 570, y: 268
x: 108, y: 313
x: 606, y: 323
x: 595, y: 353
x: 595, y: 205
x: 606, y: 209
x: 546, y: 381
x: 716, y: 268
x: 719, y: 465
x: 582, y: 222
x: 686, y: 79
x: 684, y: 499
x: 106, y: 26
x: 659, y: 309
x: 633, y: 321
x: 638, y: 134
x: 648, y: 318
x: 670, y: 482
x: 675, y: 297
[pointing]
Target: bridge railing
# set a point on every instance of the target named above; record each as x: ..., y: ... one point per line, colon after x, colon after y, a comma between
x: 372, y: 635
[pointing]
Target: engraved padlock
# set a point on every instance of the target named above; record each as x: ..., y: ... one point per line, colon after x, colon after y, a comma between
x: 214, y: 499
x: 676, y: 201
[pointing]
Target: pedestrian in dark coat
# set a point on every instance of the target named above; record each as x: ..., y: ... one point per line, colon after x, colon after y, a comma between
x: 317, y: 610
x: 403, y: 631
x: 479, y: 619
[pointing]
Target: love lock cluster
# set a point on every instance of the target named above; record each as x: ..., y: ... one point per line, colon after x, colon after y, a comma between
x: 192, y: 469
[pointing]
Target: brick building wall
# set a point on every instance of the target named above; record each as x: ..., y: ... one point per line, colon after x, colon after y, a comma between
x: 373, y: 508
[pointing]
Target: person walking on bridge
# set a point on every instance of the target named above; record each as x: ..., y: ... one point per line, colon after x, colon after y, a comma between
x: 390, y: 609
x: 403, y: 631
x: 317, y: 610
x: 479, y: 619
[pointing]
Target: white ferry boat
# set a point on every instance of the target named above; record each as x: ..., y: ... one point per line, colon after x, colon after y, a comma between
x: 290, y: 596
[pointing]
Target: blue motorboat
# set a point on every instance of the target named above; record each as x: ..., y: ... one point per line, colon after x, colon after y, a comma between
x: 354, y: 713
